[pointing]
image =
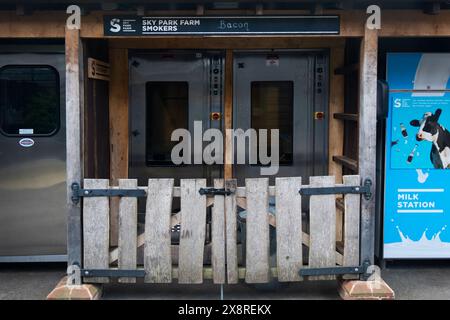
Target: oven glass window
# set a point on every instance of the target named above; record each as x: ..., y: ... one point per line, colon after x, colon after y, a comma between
x: 167, y: 110
x: 29, y: 100
x: 272, y: 108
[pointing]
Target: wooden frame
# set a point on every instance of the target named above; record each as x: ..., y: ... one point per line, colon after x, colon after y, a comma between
x: 395, y: 23
x: 52, y: 25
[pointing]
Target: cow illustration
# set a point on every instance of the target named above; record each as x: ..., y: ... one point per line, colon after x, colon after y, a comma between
x: 431, y: 130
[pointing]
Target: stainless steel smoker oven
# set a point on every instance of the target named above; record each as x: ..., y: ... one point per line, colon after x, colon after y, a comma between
x: 272, y: 89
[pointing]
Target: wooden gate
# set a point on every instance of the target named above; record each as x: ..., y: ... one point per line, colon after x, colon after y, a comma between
x: 326, y: 235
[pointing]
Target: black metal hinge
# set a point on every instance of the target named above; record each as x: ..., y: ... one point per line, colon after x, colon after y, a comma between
x: 78, y: 193
x: 362, y: 270
x: 112, y: 273
x: 365, y: 190
x: 215, y: 191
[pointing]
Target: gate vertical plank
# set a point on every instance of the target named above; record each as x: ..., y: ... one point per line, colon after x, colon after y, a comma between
x: 157, y: 250
x: 218, y: 235
x: 192, y: 239
x: 257, y: 248
x: 322, y: 215
x: 96, y: 230
x: 289, y: 228
x: 351, y: 223
x: 231, y: 233
x: 127, y: 230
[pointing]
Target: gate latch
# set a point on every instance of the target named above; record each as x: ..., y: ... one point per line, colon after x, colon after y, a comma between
x: 362, y: 270
x: 215, y: 191
x: 365, y: 190
x: 78, y: 193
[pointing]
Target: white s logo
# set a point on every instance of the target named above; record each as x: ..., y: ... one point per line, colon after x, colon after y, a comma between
x: 397, y: 103
x: 115, y: 26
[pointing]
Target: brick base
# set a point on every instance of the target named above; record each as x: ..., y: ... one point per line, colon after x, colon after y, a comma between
x: 63, y: 291
x: 365, y: 290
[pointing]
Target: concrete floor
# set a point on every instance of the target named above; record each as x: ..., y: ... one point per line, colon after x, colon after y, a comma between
x: 410, y: 281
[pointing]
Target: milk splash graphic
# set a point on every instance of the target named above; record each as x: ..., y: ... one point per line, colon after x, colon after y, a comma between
x: 423, y: 248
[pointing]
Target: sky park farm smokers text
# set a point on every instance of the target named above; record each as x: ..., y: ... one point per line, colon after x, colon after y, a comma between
x: 167, y: 24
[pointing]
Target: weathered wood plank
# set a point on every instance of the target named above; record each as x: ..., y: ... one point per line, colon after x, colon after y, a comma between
x: 322, y: 233
x: 192, y: 239
x: 368, y: 138
x: 257, y: 224
x: 218, y: 235
x: 118, y: 127
x: 231, y: 233
x: 96, y: 229
x: 228, y: 115
x: 157, y: 253
x: 127, y: 230
x: 73, y: 145
x: 351, y: 223
x: 289, y: 228
x: 352, y: 204
x: 336, y: 127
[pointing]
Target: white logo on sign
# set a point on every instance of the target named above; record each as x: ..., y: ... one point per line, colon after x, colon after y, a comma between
x: 115, y: 25
x: 397, y: 103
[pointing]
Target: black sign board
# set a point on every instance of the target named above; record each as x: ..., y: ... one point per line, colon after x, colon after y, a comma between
x: 253, y: 25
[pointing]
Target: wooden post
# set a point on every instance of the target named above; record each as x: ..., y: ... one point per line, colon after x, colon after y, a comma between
x: 73, y: 141
x: 228, y: 115
x: 336, y: 126
x: 118, y: 128
x: 367, y: 137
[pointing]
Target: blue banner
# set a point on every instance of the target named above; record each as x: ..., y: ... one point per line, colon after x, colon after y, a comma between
x: 417, y: 182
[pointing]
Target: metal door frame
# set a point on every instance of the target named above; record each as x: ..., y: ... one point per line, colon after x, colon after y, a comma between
x: 31, y: 52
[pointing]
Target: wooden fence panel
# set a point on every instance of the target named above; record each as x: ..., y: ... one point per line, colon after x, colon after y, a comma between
x: 157, y: 250
x: 231, y: 233
x: 218, y: 235
x: 322, y: 215
x: 127, y: 249
x: 289, y: 228
x: 257, y: 224
x: 159, y: 253
x: 96, y: 229
x: 192, y: 239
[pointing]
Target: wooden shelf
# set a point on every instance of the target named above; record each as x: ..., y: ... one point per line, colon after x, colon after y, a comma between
x: 347, y: 69
x: 346, y: 162
x: 346, y: 116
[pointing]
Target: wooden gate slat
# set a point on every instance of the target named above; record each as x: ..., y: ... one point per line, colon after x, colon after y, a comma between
x: 157, y: 250
x: 231, y: 233
x: 257, y: 235
x: 322, y: 215
x: 218, y: 235
x: 289, y: 228
x: 192, y: 239
x: 351, y: 223
x: 127, y: 245
x: 96, y: 229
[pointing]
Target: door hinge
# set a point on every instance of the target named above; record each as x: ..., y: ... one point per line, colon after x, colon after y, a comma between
x: 78, y: 193
x: 215, y: 191
x: 365, y: 190
x: 334, y: 271
x: 112, y: 273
